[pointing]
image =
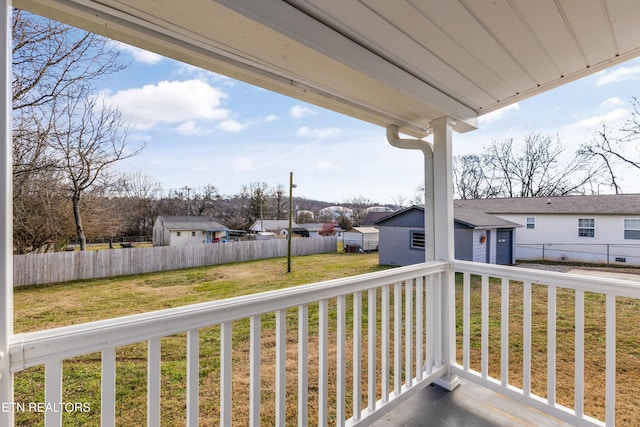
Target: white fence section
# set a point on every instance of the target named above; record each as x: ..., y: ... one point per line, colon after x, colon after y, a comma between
x: 375, y: 340
x: 535, y: 332
x: 35, y: 269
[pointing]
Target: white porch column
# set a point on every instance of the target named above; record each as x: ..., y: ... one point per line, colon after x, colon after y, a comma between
x: 6, y: 217
x: 444, y: 245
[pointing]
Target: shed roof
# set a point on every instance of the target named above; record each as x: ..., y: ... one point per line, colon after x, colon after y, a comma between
x: 272, y: 224
x: 470, y: 217
x: 364, y: 230
x: 613, y: 204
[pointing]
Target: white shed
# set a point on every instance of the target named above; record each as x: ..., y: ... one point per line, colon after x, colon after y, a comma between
x: 361, y: 239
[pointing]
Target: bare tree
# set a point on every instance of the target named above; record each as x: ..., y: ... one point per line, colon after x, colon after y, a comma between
x: 615, y: 150
x: 52, y: 64
x: 537, y: 167
x: 359, y: 206
x: 470, y: 178
x: 90, y: 137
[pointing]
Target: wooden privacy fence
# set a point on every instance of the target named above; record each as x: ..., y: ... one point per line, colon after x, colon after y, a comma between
x: 37, y: 269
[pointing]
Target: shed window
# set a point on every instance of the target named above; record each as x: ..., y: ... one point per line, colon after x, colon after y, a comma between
x: 178, y: 233
x: 632, y: 229
x: 586, y: 227
x: 193, y: 233
x: 531, y: 223
x: 417, y: 240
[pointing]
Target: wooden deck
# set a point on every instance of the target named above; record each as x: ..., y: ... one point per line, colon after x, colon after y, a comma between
x: 469, y: 405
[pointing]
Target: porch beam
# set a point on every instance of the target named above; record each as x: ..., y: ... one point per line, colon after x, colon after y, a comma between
x: 444, y: 246
x: 6, y: 226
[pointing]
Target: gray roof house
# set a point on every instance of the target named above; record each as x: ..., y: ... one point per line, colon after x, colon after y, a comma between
x: 598, y: 228
x: 187, y: 230
x: 277, y: 226
x: 478, y: 237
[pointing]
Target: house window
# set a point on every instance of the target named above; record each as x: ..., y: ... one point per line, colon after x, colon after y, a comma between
x: 178, y: 233
x: 531, y: 223
x: 632, y: 229
x: 586, y: 227
x: 193, y: 234
x: 417, y: 240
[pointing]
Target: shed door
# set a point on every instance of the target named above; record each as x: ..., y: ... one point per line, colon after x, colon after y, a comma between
x: 504, y: 246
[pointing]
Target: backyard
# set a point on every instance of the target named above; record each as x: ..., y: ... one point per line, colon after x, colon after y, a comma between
x: 43, y: 307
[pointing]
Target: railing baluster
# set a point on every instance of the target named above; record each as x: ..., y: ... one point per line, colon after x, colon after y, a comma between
x: 551, y: 345
x: 484, y: 346
x: 53, y: 392
x: 281, y: 360
x: 466, y: 320
x: 341, y: 353
x: 397, y: 337
x: 504, y: 333
x: 429, y: 325
x: 526, y: 338
x: 193, y: 377
x: 303, y: 371
x: 255, y: 343
x: 323, y: 359
x: 153, y: 382
x: 610, y: 405
x: 384, y: 318
x: 226, y: 375
x: 579, y: 361
x: 357, y: 356
x: 372, y: 346
x: 108, y: 388
x: 408, y: 331
x: 419, y: 327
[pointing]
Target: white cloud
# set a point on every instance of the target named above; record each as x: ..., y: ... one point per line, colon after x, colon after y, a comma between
x: 230, y: 126
x: 271, y: 118
x: 139, y: 55
x: 191, y: 128
x: 243, y: 164
x: 326, y: 166
x: 498, y: 115
x: 612, y: 102
x: 300, y: 111
x: 318, y: 133
x: 619, y: 75
x: 169, y: 102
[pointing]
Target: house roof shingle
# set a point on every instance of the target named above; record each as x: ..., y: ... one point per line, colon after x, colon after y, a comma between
x: 595, y: 204
x: 179, y: 223
x: 470, y: 217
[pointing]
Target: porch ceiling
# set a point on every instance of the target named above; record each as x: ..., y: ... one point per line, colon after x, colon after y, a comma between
x: 402, y: 62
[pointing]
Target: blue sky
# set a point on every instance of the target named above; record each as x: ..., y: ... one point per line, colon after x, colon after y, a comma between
x: 201, y: 128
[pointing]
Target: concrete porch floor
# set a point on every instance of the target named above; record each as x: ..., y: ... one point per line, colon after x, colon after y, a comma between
x: 469, y: 405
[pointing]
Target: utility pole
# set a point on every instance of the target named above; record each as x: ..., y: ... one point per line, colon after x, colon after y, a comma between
x: 291, y: 187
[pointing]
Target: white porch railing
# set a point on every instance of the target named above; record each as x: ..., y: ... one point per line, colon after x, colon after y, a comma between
x: 564, y: 322
x: 516, y: 335
x: 399, y: 346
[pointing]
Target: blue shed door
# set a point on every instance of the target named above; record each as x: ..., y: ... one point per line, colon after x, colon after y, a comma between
x: 504, y: 246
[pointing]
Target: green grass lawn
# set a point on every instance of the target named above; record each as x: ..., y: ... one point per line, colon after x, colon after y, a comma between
x: 44, y: 307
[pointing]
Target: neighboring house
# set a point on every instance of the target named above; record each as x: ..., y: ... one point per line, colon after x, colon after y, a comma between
x: 373, y: 216
x: 598, y: 228
x: 314, y: 229
x: 277, y: 226
x: 334, y: 213
x: 361, y: 239
x: 187, y: 230
x: 478, y: 237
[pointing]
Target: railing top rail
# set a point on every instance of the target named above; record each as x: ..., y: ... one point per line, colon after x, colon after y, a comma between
x: 34, y: 348
x: 601, y: 285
